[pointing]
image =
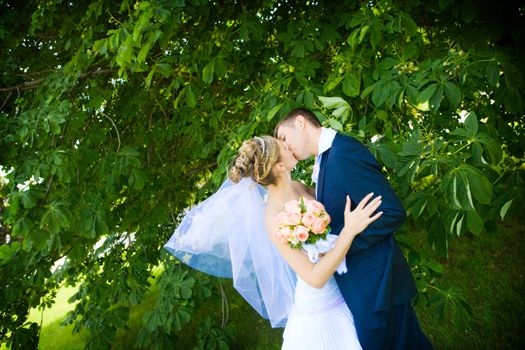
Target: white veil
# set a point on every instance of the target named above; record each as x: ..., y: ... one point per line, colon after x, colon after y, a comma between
x: 225, y: 236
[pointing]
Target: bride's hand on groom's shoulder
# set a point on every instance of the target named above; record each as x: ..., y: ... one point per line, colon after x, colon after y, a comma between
x: 358, y: 219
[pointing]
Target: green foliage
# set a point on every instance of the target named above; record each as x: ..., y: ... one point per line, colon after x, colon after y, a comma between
x: 487, y: 270
x: 210, y: 337
x: 131, y: 111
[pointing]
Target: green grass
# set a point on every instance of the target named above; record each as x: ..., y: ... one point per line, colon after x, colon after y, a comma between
x: 488, y: 269
x: 53, y: 335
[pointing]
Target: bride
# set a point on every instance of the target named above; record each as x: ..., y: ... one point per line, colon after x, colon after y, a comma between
x: 231, y: 234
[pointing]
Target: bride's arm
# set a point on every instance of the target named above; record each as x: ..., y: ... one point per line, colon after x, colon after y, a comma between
x: 318, y: 274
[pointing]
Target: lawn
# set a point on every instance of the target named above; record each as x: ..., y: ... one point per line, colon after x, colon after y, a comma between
x: 487, y: 269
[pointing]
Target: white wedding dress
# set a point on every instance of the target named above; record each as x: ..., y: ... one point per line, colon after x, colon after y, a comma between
x: 319, y: 319
x: 224, y: 236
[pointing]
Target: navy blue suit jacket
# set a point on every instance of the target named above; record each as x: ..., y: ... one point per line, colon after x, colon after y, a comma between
x: 378, y: 276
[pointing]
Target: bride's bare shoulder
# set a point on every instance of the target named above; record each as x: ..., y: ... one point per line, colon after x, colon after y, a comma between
x: 270, y: 213
x: 303, y: 189
x: 270, y: 216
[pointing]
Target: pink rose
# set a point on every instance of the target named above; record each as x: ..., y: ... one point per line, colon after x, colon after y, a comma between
x: 319, y: 226
x: 293, y: 206
x: 308, y: 219
x: 283, y: 233
x: 301, y: 233
x: 293, y: 218
x: 314, y: 206
x: 282, y: 218
x: 327, y: 219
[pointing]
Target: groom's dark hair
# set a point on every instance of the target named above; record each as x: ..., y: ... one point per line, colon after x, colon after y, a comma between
x: 290, y: 118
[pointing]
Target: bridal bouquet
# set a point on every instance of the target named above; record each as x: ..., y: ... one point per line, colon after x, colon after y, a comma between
x: 302, y: 222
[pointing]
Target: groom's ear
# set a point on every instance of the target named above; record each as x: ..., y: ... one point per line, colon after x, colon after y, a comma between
x: 300, y: 122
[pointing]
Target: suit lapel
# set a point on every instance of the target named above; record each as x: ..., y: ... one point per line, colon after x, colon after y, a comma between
x: 320, y: 179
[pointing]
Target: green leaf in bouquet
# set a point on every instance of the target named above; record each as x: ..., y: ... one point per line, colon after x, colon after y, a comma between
x: 302, y: 205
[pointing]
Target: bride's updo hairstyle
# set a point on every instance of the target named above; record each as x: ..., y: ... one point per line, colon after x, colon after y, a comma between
x: 256, y: 158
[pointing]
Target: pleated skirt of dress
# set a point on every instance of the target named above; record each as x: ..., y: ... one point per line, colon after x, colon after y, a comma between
x: 320, y: 319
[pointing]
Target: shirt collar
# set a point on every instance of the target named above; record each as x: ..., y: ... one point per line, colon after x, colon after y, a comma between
x: 325, y: 139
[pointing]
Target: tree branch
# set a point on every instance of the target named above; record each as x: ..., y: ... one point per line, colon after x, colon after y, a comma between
x: 199, y: 169
x: 5, y: 101
x: 33, y: 84
x: 116, y: 129
x: 32, y: 74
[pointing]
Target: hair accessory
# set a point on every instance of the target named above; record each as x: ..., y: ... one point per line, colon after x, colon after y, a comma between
x: 261, y: 142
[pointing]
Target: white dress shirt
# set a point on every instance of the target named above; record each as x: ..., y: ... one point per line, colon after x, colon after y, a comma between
x: 325, y: 142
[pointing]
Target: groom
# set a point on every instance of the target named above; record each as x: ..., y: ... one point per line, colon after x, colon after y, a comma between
x: 378, y: 286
